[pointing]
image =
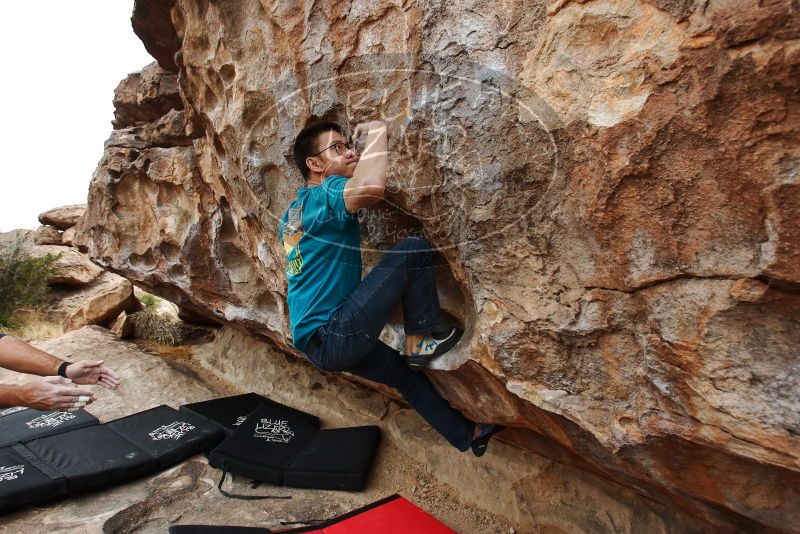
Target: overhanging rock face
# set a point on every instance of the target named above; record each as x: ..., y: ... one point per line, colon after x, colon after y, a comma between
x: 613, y: 189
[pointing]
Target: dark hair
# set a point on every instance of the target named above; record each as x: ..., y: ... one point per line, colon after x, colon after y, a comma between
x: 305, y: 143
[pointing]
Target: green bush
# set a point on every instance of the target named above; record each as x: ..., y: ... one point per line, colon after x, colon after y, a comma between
x: 23, y: 281
x: 150, y: 302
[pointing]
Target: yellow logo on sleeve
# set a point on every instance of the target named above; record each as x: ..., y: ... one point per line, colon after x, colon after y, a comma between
x: 292, y: 232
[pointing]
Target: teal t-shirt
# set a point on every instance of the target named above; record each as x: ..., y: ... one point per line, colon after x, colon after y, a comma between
x: 322, y: 242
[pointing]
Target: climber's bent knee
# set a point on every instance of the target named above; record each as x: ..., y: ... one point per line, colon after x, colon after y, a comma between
x: 339, y: 352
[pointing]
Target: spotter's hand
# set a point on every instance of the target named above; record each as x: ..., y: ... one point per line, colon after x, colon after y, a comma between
x: 87, y: 372
x: 55, y: 393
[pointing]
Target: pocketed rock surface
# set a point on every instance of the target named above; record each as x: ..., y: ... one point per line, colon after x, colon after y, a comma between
x: 612, y: 188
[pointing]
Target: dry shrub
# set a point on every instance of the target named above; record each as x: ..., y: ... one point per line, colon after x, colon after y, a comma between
x: 35, y: 326
x: 156, y: 327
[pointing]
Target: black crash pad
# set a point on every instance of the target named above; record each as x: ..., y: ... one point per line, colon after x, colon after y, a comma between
x: 280, y: 448
x: 21, y: 424
x: 139, y: 444
x: 168, y: 435
x: 336, y: 459
x: 264, y: 445
x: 25, y: 479
x: 92, y: 456
x: 230, y: 412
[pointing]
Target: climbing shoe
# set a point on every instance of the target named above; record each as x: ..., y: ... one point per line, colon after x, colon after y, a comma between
x: 480, y: 442
x: 432, y: 345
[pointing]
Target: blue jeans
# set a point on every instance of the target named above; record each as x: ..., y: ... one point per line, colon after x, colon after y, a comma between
x: 350, y: 340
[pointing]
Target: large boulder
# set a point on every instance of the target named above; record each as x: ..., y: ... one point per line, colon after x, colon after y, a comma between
x: 98, y: 302
x: 46, y: 235
x: 74, y: 268
x: 612, y: 188
x: 63, y: 217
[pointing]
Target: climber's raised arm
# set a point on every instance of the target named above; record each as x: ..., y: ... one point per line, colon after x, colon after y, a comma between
x: 368, y: 183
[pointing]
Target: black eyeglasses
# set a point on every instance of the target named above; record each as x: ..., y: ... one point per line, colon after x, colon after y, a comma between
x: 338, y: 146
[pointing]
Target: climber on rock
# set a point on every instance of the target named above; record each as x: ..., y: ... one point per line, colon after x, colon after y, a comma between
x: 335, y: 316
x: 57, y: 390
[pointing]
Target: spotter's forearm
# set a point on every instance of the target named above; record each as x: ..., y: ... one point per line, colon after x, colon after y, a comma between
x: 21, y: 357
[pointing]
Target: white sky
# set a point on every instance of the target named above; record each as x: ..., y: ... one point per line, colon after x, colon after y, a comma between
x: 61, y: 61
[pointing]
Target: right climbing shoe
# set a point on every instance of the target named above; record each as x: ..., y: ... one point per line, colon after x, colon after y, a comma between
x: 433, y: 345
x: 480, y: 442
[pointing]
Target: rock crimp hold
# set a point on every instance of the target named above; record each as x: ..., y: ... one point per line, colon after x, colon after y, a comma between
x: 624, y: 256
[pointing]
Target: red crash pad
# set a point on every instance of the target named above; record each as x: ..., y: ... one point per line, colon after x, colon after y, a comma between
x: 392, y: 515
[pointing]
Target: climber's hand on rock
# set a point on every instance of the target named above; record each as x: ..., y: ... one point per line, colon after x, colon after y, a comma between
x: 369, y: 127
x: 54, y: 393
